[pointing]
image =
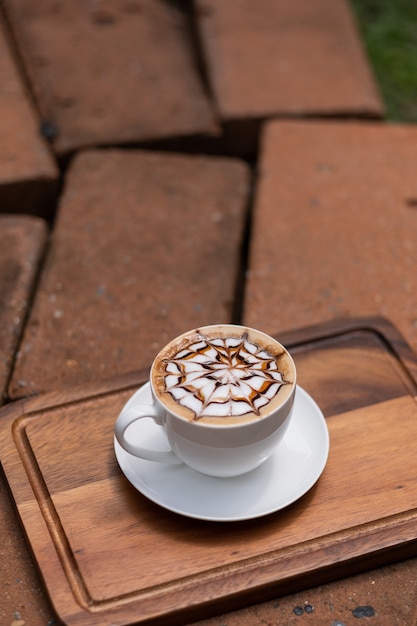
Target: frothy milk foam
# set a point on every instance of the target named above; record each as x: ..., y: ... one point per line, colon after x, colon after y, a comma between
x: 223, y: 375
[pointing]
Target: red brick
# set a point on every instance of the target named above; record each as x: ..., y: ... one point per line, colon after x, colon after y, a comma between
x: 28, y: 173
x: 275, y: 57
x: 22, y: 241
x: 146, y: 246
x: 111, y: 73
x: 335, y: 220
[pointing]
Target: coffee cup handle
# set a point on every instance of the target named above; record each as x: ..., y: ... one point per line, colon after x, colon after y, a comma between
x: 132, y: 414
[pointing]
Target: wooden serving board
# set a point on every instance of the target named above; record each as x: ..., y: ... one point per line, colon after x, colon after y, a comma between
x: 110, y: 556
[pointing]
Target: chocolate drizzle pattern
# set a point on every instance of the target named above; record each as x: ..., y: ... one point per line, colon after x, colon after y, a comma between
x: 223, y: 377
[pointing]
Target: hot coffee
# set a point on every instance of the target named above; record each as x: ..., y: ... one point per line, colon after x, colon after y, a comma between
x: 223, y: 395
x: 223, y: 375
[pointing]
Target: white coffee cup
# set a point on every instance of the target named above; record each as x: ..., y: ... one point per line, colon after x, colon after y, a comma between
x: 223, y: 395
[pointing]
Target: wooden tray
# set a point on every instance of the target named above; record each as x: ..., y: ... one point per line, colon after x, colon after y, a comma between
x: 109, y: 556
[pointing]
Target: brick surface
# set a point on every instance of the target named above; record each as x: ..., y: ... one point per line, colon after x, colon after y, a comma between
x: 275, y: 57
x: 146, y: 246
x: 22, y: 241
x: 28, y: 174
x: 111, y: 72
x: 335, y: 222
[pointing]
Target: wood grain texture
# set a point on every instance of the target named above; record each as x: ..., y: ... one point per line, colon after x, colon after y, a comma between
x: 110, y: 556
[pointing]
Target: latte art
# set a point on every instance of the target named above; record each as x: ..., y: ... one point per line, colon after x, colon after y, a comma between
x: 223, y: 377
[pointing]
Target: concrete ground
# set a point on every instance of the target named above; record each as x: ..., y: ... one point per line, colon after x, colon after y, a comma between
x: 170, y: 164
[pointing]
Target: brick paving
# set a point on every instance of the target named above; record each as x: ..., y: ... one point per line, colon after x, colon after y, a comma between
x: 147, y: 244
x: 342, y: 243
x: 267, y: 59
x: 100, y: 75
x: 258, y: 68
x: 28, y: 173
x: 22, y: 245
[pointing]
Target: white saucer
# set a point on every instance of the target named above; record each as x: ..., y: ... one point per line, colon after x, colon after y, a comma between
x: 287, y: 475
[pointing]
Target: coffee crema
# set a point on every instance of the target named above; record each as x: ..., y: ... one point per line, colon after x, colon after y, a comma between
x: 223, y: 374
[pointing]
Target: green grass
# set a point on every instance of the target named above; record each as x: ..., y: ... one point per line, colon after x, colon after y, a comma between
x: 389, y: 31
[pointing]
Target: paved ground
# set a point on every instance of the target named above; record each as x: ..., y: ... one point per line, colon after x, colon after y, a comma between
x: 167, y: 164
